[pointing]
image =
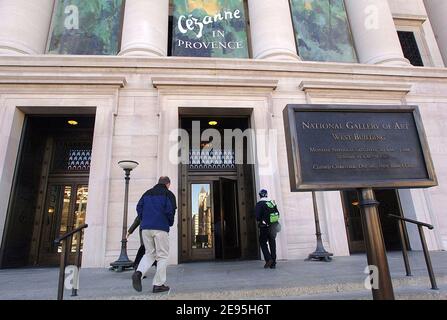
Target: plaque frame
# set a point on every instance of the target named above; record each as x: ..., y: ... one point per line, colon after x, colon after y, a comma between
x: 297, y: 184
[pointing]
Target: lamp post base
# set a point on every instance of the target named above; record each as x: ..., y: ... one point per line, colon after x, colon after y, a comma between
x: 320, y: 253
x: 121, y: 266
x: 123, y: 261
x: 321, y: 256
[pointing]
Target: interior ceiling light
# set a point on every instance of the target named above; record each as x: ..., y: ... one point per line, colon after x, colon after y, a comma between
x: 73, y: 122
x: 213, y: 123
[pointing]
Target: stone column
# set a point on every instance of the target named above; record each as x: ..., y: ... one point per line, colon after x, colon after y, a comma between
x: 374, y: 33
x: 437, y: 13
x: 24, y: 26
x: 145, y: 29
x: 272, y: 35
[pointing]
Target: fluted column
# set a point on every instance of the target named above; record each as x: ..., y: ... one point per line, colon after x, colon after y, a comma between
x: 24, y: 26
x: 374, y: 32
x: 437, y: 14
x: 145, y: 29
x: 272, y: 35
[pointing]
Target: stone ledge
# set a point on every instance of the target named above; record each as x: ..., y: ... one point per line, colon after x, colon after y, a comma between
x: 159, y: 82
x: 369, y: 86
x: 48, y: 62
x: 119, y: 81
x: 420, y: 19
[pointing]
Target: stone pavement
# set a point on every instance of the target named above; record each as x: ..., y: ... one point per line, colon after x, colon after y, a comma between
x: 343, y: 278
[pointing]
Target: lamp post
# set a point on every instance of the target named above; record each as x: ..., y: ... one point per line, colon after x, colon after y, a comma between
x: 320, y: 253
x: 123, y: 261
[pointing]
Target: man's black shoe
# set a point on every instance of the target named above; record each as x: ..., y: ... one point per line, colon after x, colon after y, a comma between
x: 136, y: 281
x: 273, y: 266
x: 162, y: 288
x: 268, y: 264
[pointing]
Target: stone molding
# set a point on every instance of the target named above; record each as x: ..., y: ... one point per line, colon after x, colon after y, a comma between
x: 119, y: 81
x: 419, y: 19
x: 310, y: 85
x: 169, y: 81
x: 358, y: 89
x: 104, y: 63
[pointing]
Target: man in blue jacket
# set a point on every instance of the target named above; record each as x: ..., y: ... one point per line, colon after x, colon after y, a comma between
x: 156, y: 210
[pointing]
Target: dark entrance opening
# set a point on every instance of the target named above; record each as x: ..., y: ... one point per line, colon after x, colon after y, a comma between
x: 389, y: 204
x: 50, y: 189
x: 217, y: 197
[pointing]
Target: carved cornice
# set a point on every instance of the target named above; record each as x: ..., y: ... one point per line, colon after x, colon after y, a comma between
x: 355, y: 89
x: 355, y: 85
x: 47, y: 63
x: 181, y: 81
x: 42, y: 79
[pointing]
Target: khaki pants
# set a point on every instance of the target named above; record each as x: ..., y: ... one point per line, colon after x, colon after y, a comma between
x: 156, y: 243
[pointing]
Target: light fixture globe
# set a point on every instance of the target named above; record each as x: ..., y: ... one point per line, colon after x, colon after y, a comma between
x: 128, y: 164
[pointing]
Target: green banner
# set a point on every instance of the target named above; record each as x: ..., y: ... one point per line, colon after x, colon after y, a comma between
x: 210, y: 28
x: 84, y: 27
x: 322, y: 30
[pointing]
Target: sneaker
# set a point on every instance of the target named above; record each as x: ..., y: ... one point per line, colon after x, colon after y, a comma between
x: 162, y: 288
x: 273, y: 266
x: 136, y: 281
x: 268, y: 264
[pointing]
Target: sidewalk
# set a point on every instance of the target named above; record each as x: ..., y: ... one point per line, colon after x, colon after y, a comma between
x: 343, y: 278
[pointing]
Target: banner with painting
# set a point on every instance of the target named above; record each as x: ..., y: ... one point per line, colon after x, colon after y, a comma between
x: 83, y: 27
x: 210, y: 28
x: 322, y: 30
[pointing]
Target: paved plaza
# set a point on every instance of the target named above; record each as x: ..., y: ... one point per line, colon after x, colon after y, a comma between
x: 343, y: 278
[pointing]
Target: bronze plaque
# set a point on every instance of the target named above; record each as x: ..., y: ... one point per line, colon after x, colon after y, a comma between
x: 335, y: 147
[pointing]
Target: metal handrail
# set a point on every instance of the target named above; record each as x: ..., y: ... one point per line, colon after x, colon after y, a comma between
x: 429, y: 226
x: 420, y: 225
x: 64, y: 257
x: 68, y: 234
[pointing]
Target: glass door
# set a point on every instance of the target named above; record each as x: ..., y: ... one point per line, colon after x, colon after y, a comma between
x: 353, y: 222
x: 79, y: 212
x: 65, y: 208
x: 201, y: 217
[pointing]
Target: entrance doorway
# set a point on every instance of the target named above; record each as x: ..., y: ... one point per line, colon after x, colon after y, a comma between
x: 217, y: 196
x: 214, y: 218
x: 389, y: 204
x: 50, y: 190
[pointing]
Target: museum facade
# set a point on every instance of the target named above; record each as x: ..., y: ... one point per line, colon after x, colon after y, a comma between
x: 86, y: 84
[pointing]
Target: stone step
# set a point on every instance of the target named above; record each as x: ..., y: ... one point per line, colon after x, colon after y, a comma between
x: 416, y: 287
x: 407, y: 293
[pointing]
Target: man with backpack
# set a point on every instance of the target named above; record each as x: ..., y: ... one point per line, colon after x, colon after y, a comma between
x: 267, y: 215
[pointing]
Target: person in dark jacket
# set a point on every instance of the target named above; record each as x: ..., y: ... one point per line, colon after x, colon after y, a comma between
x: 156, y: 210
x: 141, y: 251
x: 265, y: 211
